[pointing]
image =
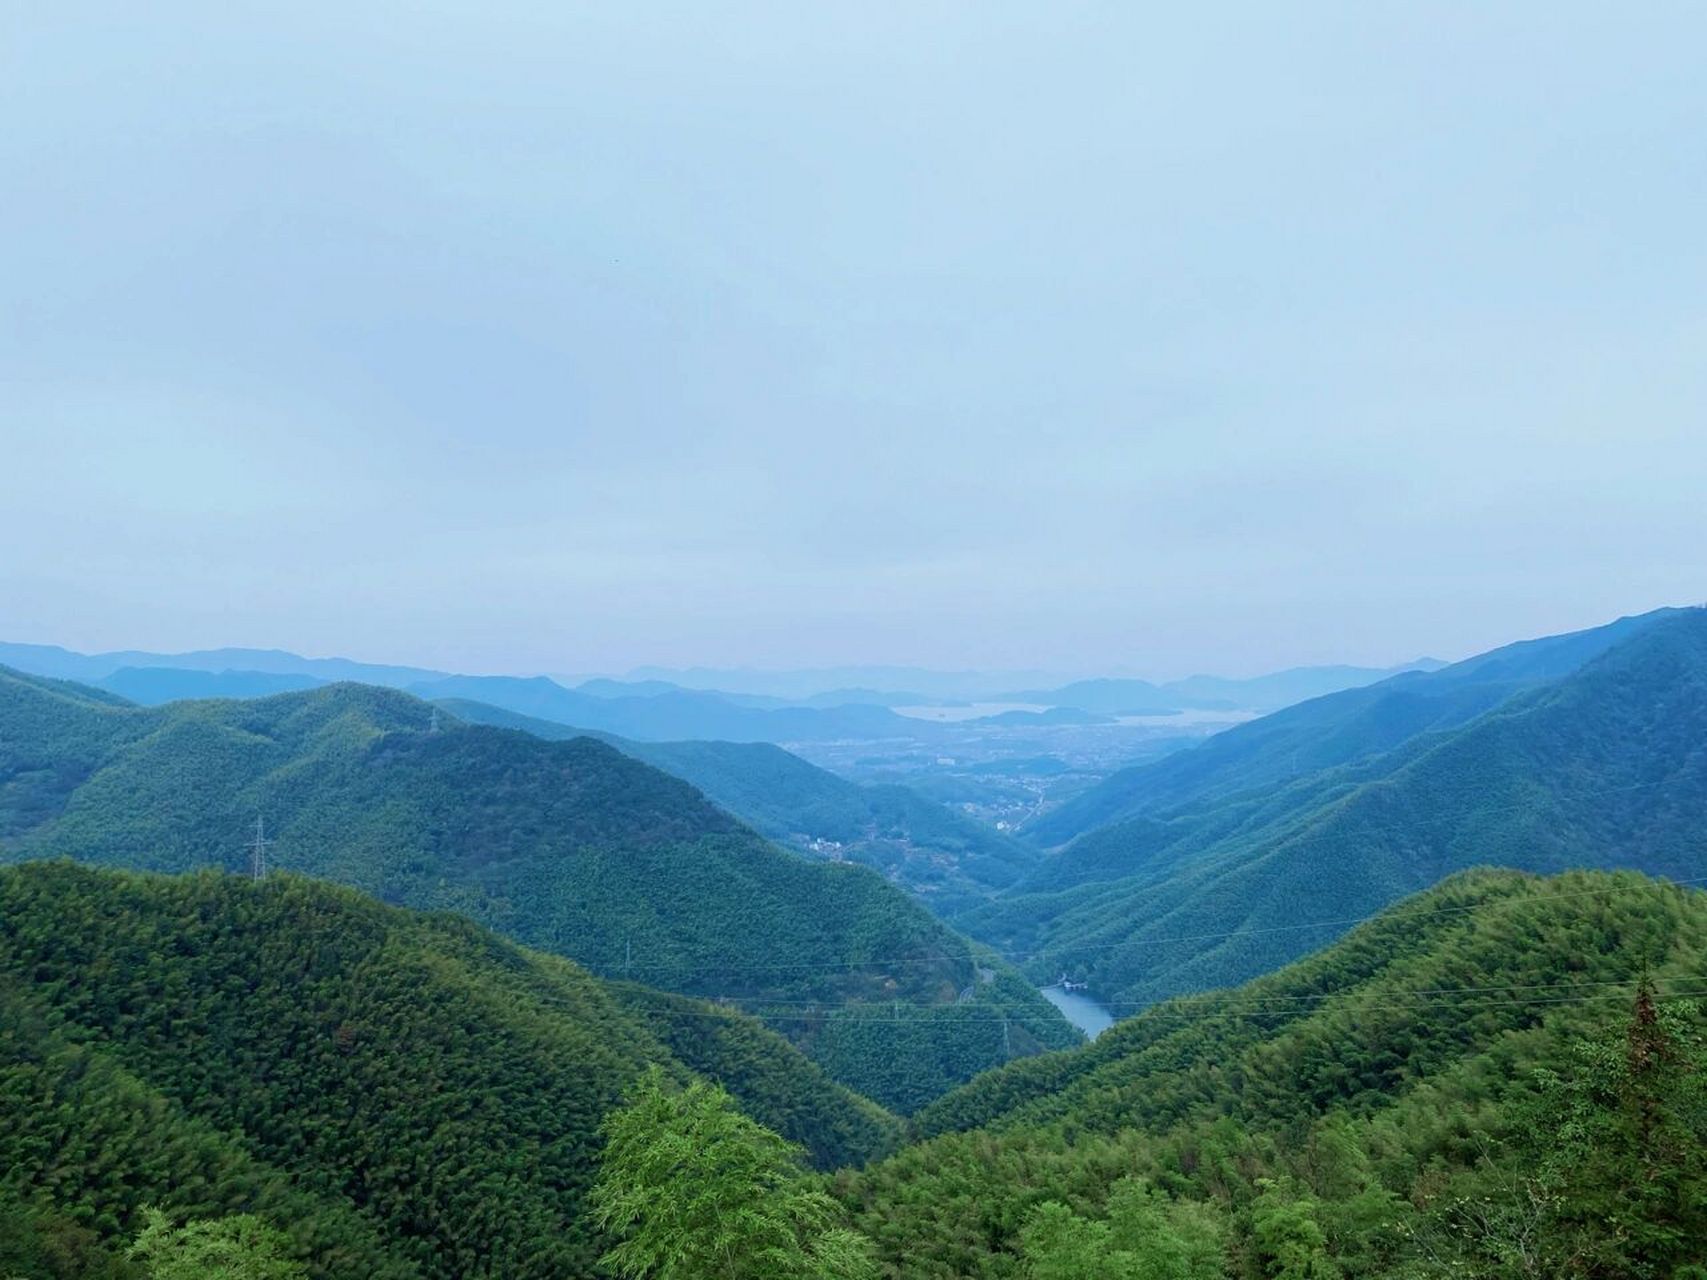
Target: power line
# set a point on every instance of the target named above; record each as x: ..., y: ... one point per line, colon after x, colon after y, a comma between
x: 1016, y: 957
x: 1223, y: 998
x: 1056, y: 948
x: 258, y: 851
x: 1220, y: 1003
x: 1154, y: 1013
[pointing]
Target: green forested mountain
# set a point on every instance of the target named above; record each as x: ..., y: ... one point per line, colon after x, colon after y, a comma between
x: 1502, y: 1077
x: 1337, y: 729
x: 407, y: 1095
x: 1464, y: 1086
x: 950, y: 861
x: 569, y: 846
x: 1603, y: 768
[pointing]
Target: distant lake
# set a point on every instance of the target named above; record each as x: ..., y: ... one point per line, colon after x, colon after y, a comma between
x: 946, y: 715
x: 1080, y: 1010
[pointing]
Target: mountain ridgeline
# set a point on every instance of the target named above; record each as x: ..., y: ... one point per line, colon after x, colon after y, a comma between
x: 1401, y: 996
x: 1235, y: 857
x: 568, y: 845
x: 1504, y: 1066
x: 408, y: 1095
x: 1474, y: 1081
x: 1338, y: 728
x: 1259, y: 693
x: 948, y: 860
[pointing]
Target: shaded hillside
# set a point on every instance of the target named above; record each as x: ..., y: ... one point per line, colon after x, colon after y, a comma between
x: 775, y: 1083
x: 569, y: 845
x: 1603, y: 768
x: 1361, y: 1096
x: 1340, y: 728
x: 53, y: 736
x: 406, y: 1095
x: 949, y: 860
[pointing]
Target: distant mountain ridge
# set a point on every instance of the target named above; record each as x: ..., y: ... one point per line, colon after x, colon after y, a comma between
x: 154, y: 678
x: 566, y: 845
x: 64, y: 664
x: 800, y: 684
x: 1506, y: 762
x: 152, y: 686
x: 652, y: 710
x: 1334, y: 729
x: 673, y: 716
x: 949, y: 860
x: 1212, y: 693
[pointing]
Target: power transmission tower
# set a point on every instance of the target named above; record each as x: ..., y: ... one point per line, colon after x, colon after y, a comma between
x: 258, y: 851
x: 434, y: 727
x: 1007, y: 1044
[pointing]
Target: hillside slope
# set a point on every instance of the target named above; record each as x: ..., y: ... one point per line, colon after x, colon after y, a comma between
x: 1347, y: 1108
x: 570, y: 846
x: 950, y: 861
x: 1337, y: 729
x: 1603, y: 768
x: 407, y: 1095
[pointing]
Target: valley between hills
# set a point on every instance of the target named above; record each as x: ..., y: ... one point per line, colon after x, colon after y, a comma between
x: 383, y: 972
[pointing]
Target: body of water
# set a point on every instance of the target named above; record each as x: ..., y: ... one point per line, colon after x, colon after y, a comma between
x: 1083, y: 1012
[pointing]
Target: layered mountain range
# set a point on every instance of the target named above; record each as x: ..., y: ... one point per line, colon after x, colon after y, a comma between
x: 568, y: 845
x: 1220, y: 862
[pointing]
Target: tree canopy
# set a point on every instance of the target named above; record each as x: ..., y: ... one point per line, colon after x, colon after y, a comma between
x: 694, y: 1190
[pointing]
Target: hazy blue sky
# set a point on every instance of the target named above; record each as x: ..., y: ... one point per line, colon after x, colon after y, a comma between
x: 510, y: 336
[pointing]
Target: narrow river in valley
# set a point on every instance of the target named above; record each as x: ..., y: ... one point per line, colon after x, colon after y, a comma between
x: 1083, y: 1012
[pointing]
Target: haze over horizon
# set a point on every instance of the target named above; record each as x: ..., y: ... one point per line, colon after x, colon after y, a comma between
x: 979, y: 336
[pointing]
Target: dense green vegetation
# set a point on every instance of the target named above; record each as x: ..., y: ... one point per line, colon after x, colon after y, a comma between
x: 1602, y: 768
x: 694, y: 1190
x: 773, y: 1081
x: 405, y: 1095
x: 1502, y: 1077
x: 950, y: 861
x: 565, y: 845
x: 906, y: 1055
x: 241, y: 1247
x: 1469, y: 1085
x: 1340, y: 728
